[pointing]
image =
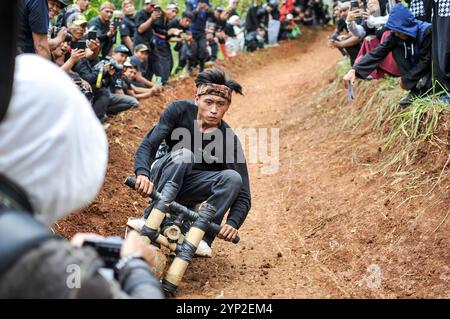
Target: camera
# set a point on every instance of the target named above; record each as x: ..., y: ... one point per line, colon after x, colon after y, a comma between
x: 92, y: 35
x: 116, y: 22
x: 108, y: 60
x: 54, y: 32
x: 108, y: 249
x: 80, y: 45
x: 354, y: 4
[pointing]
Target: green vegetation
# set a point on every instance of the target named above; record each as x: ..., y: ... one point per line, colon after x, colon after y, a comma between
x: 404, y: 132
x: 95, y: 5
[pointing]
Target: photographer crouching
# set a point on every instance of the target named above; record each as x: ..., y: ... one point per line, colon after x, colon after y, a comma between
x: 48, y: 169
x: 84, y: 61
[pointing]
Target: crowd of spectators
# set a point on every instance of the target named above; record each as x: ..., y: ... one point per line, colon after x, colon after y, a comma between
x: 407, y: 40
x: 124, y: 54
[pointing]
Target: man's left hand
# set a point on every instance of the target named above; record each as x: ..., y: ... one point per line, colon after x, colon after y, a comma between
x: 227, y: 232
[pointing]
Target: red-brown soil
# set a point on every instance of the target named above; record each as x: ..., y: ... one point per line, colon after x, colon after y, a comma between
x: 323, y: 226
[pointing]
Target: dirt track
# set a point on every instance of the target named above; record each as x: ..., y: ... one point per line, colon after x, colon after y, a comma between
x: 322, y: 226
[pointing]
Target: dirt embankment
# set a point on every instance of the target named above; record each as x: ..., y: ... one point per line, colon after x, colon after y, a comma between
x: 323, y: 225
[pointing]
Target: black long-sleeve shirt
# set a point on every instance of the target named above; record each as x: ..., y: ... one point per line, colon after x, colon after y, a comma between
x: 410, y: 72
x: 180, y: 117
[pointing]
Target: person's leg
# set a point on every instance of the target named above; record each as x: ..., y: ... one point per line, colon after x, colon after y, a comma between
x: 217, y: 188
x: 120, y: 102
x: 441, y: 45
x: 202, y: 53
x: 194, y: 50
x: 151, y: 63
x: 100, y: 104
x: 171, y: 167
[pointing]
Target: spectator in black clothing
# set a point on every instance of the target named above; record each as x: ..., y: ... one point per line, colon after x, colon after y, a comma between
x: 178, y: 29
x: 161, y: 34
x: 201, y: 11
x: 35, y: 24
x: 441, y: 47
x: 410, y: 44
x: 106, y: 31
x: 253, y: 20
x: 342, y: 39
x: 128, y: 27
x: 421, y: 9
x: 144, y: 33
x: 140, y: 61
x: 220, y: 177
x: 219, y: 20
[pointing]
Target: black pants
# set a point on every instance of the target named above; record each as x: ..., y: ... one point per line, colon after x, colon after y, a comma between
x: 199, y: 52
x: 164, y: 60
x: 101, y: 102
x: 218, y: 188
x: 151, y: 65
x: 441, y: 45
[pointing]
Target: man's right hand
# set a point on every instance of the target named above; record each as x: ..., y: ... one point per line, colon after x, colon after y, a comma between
x: 350, y: 76
x: 143, y: 186
x: 155, y: 15
x: 134, y: 244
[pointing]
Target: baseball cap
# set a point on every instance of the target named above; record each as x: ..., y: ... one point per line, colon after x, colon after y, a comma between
x: 122, y: 49
x: 141, y: 47
x: 150, y: 1
x: 127, y: 63
x: 64, y: 3
x: 172, y: 6
x: 77, y: 19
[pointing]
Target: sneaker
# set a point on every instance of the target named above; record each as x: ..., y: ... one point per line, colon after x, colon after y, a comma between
x: 203, y: 249
x: 445, y: 98
x: 407, y: 100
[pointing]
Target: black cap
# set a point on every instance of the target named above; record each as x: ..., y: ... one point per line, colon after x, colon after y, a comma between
x: 188, y: 14
x: 122, y: 49
x: 64, y: 3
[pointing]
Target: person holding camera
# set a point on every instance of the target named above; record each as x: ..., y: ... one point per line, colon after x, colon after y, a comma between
x: 128, y: 26
x: 201, y: 12
x: 144, y: 34
x: 410, y: 43
x: 106, y: 29
x: 48, y: 169
x: 177, y: 33
x: 346, y: 43
x: 161, y: 33
x: 80, y: 6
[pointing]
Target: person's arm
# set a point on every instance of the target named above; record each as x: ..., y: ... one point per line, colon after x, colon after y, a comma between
x: 348, y: 42
x: 356, y: 29
x: 41, y: 45
x: 148, y: 23
x: 142, y: 79
x: 423, y: 66
x: 241, y: 206
x: 370, y: 61
x: 128, y: 42
x: 75, y: 56
x: 60, y: 37
x: 145, y: 154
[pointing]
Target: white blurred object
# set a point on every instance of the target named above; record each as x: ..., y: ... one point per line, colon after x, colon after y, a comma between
x: 203, y: 249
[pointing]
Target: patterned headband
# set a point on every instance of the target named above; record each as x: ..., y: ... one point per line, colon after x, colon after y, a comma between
x: 215, y: 89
